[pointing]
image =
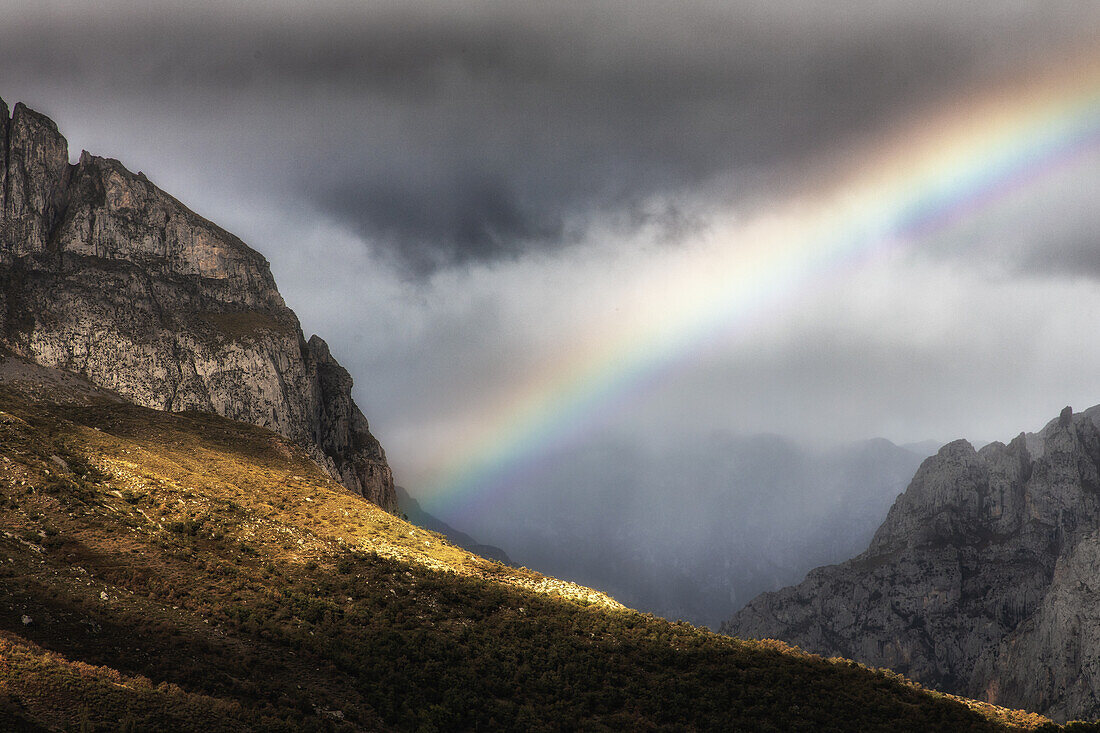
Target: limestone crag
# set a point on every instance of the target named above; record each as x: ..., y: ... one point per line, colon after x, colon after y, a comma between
x: 982, y: 580
x: 105, y: 275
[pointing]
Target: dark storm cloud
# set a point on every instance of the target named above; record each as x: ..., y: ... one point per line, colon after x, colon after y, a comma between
x: 517, y: 134
x: 1074, y: 254
x: 447, y: 135
x: 470, y: 218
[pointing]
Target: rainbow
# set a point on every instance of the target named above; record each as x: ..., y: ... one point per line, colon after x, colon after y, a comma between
x: 947, y: 166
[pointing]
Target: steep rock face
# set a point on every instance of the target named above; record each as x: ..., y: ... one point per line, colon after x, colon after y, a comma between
x: 37, y: 168
x: 341, y: 430
x: 5, y: 123
x: 103, y: 274
x: 981, y: 581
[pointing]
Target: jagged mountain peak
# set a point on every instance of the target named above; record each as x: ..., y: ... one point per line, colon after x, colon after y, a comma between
x: 104, y: 274
x: 975, y: 582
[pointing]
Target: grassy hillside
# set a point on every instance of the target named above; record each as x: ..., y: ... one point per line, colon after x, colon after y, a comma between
x: 185, y: 572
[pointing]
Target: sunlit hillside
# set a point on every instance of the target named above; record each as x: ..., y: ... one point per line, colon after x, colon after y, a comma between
x: 185, y: 572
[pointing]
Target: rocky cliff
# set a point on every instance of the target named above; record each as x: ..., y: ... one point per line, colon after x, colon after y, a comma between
x: 104, y: 274
x: 984, y: 579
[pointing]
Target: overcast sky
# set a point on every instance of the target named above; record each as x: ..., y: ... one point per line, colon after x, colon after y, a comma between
x: 454, y: 194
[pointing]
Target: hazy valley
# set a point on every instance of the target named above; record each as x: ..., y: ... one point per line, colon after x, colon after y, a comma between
x: 695, y: 531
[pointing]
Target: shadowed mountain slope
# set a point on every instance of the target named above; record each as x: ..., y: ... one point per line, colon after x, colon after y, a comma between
x: 181, y: 571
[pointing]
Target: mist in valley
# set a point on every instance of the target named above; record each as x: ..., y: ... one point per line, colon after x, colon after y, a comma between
x: 696, y: 530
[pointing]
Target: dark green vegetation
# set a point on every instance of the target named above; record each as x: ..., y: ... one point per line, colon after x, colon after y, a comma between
x: 185, y: 572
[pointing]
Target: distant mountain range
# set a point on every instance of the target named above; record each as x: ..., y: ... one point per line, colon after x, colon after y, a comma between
x: 697, y: 530
x: 981, y: 581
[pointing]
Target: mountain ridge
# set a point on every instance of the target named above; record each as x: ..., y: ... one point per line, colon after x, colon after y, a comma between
x: 978, y: 580
x: 105, y: 275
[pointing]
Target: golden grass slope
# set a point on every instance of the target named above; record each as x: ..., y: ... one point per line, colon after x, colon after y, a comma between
x: 185, y: 572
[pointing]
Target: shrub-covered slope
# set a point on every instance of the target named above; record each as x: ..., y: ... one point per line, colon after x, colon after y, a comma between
x: 182, y: 572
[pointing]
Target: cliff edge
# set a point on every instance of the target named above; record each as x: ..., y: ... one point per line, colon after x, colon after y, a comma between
x: 105, y: 275
x: 981, y: 581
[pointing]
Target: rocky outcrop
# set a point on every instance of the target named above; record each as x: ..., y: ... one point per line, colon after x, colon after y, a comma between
x: 105, y: 275
x: 982, y: 580
x: 37, y: 172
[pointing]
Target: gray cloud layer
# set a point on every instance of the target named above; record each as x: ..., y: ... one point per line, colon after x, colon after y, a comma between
x: 475, y: 133
x: 486, y: 152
